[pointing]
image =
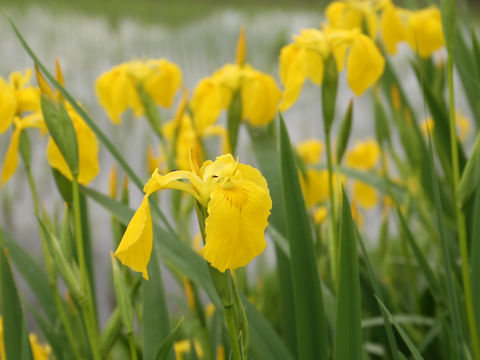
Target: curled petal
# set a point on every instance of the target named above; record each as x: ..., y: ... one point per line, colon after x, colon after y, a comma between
x: 8, y: 106
x: 365, y: 64
x: 424, y: 31
x: 292, y: 74
x: 136, y: 245
x: 260, y: 98
x: 11, y: 158
x: 237, y: 218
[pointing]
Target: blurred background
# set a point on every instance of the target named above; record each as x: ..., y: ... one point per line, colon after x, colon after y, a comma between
x: 89, y: 37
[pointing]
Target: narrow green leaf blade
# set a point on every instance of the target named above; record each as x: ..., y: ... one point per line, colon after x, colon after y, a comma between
x: 309, y: 312
x: 15, y: 333
x: 348, y: 330
x: 167, y: 344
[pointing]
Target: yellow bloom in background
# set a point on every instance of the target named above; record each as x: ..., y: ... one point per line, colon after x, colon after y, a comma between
x: 365, y: 194
x: 364, y: 156
x: 320, y: 215
x: 304, y: 58
x: 349, y: 15
x: 238, y: 203
x: 310, y: 151
x: 422, y: 29
x: 155, y: 160
x: 315, y: 187
x: 462, y: 122
x: 259, y: 93
x: 184, y: 347
x: 117, y: 91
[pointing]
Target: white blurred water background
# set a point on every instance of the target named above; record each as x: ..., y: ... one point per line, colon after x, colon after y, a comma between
x: 89, y: 43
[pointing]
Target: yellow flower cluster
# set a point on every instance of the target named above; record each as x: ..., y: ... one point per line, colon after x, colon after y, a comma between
x: 259, y: 93
x: 421, y: 29
x: 21, y: 107
x: 117, y: 89
x: 463, y: 126
x: 305, y: 58
x: 238, y: 202
x: 39, y: 351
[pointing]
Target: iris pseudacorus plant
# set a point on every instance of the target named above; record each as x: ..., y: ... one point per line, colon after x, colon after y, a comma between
x: 305, y: 57
x: 238, y: 203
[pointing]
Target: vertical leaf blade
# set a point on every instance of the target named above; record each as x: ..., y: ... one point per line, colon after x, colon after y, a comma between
x: 308, y: 302
x: 348, y: 330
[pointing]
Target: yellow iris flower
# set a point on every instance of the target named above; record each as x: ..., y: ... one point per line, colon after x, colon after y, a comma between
x: 259, y: 93
x: 310, y: 151
x: 355, y: 14
x: 422, y: 29
x: 28, y: 99
x: 117, y: 88
x: 304, y: 58
x: 238, y: 202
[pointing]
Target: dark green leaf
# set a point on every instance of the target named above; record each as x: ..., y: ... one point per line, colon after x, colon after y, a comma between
x: 348, y: 331
x: 234, y: 118
x: 344, y: 132
x: 167, y: 344
x: 309, y: 313
x: 329, y: 92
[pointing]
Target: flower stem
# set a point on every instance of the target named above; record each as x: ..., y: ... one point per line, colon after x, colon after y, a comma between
x: 87, y: 305
x: 230, y: 320
x: 332, y: 203
x: 133, y: 349
x: 51, y: 270
x: 461, y: 223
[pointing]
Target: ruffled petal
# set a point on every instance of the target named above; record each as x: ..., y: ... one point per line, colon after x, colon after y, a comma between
x: 365, y: 64
x: 235, y: 226
x: 135, y: 247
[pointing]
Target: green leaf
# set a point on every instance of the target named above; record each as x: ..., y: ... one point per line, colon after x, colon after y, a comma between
x: 382, y: 130
x: 122, y: 295
x: 344, y: 132
x: 167, y: 344
x: 475, y: 256
x: 411, y: 346
x: 15, y: 332
x: 155, y: 324
x: 31, y: 273
x: 62, y: 131
x: 470, y: 176
x: 424, y: 266
x: 348, y: 331
x: 309, y: 313
x: 234, y: 118
x: 329, y: 92
x: 265, y: 343
x: 378, y: 293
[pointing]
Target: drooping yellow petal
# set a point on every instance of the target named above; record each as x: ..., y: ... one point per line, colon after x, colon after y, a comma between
x: 364, y: 156
x: 260, y: 98
x: 207, y: 103
x: 236, y: 222
x: 135, y: 247
x: 310, y: 151
x: 393, y: 28
x: 8, y: 106
x: 164, y: 82
x: 424, y: 31
x: 87, y: 151
x: 292, y: 74
x: 365, y: 64
x: 365, y: 194
x: 11, y: 158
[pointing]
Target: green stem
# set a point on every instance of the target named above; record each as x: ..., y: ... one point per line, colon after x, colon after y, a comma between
x: 230, y: 320
x: 332, y: 204
x: 51, y: 271
x: 131, y: 344
x: 461, y: 223
x: 87, y: 305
